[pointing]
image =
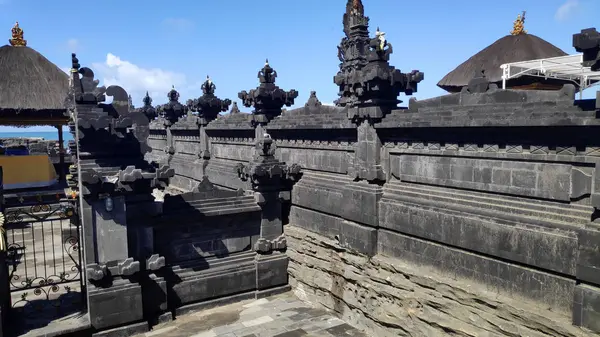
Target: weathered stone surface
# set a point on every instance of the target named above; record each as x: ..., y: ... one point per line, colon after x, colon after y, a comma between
x: 390, y: 297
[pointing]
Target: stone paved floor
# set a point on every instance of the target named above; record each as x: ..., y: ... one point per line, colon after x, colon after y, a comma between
x: 278, y: 316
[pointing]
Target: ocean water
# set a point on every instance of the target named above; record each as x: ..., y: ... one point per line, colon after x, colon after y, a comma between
x: 47, y: 135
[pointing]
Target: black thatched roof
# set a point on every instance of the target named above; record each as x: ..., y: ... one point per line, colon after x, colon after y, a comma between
x: 28, y: 81
x: 511, y: 48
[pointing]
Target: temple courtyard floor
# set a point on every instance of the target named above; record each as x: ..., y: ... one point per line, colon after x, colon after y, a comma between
x: 278, y: 316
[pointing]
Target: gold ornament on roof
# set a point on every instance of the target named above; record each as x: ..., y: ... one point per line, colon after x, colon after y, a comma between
x: 17, y: 36
x: 519, y: 25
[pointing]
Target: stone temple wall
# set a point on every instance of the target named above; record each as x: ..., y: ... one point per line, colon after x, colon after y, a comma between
x: 468, y: 214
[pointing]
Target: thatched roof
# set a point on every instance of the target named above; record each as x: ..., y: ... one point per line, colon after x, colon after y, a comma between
x: 511, y: 48
x: 29, y: 81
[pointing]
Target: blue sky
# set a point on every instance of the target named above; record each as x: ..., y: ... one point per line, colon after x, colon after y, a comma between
x: 151, y: 44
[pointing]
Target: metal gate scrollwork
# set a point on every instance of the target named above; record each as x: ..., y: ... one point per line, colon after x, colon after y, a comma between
x: 43, y: 256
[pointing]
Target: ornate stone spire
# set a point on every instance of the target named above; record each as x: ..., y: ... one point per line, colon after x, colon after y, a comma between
x: 519, y: 25
x: 234, y: 109
x: 267, y: 99
x: 588, y: 43
x: 369, y: 86
x: 17, y: 36
x: 208, y: 106
x: 147, y: 109
x: 173, y: 110
x: 353, y: 47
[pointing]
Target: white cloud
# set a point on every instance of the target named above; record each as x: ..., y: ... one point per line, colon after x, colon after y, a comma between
x: 72, y: 45
x: 566, y: 10
x: 137, y: 80
x: 179, y: 24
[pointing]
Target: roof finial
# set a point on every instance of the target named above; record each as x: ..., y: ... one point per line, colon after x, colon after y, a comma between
x: 17, y: 36
x: 519, y: 25
x: 357, y: 8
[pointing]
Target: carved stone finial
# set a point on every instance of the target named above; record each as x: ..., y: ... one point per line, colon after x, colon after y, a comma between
x: 208, y: 106
x: 235, y: 109
x: 588, y: 43
x: 313, y: 101
x: 74, y: 63
x: 479, y: 83
x: 173, y: 110
x: 17, y: 36
x: 357, y: 8
x: 267, y: 74
x: 519, y: 25
x: 208, y: 87
x: 268, y: 98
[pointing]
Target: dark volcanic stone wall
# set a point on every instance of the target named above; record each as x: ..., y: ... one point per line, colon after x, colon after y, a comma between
x: 469, y: 214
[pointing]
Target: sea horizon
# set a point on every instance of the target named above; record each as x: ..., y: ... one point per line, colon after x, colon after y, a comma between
x: 46, y: 135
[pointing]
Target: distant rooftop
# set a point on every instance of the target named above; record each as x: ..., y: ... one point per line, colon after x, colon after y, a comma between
x: 29, y: 81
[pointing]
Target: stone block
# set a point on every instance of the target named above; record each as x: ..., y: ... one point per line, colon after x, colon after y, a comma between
x: 588, y: 261
x: 523, y: 179
x: 360, y: 238
x: 204, y: 285
x: 119, y: 305
x: 314, y: 194
x: 317, y: 222
x: 528, y: 179
x: 540, y: 248
x: 498, y: 276
x: 110, y: 231
x: 271, y: 271
x: 586, y: 307
x: 360, y: 202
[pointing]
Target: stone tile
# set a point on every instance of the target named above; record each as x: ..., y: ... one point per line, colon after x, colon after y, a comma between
x: 281, y: 315
x: 228, y: 328
x: 345, y: 330
x: 293, y: 333
x: 261, y: 301
x: 208, y: 333
x: 258, y: 321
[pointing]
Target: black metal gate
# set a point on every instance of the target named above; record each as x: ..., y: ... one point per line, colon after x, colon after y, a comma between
x: 44, y: 260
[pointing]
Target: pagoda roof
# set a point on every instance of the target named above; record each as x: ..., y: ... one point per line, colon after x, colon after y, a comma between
x: 30, y: 81
x: 33, y: 90
x: 516, y: 47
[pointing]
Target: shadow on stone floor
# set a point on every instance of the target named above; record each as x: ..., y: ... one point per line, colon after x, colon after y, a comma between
x: 283, y: 315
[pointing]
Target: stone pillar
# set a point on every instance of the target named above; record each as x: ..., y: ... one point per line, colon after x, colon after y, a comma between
x: 115, y: 186
x: 208, y: 106
x: 270, y: 182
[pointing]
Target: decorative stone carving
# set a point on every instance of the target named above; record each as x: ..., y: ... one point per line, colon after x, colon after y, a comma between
x: 265, y: 171
x: 208, y: 106
x: 155, y: 262
x: 264, y: 246
x: 173, y: 110
x: 588, y: 43
x: 369, y: 86
x: 129, y: 267
x: 96, y: 272
x: 267, y: 99
x: 147, y: 109
x: 114, y: 136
